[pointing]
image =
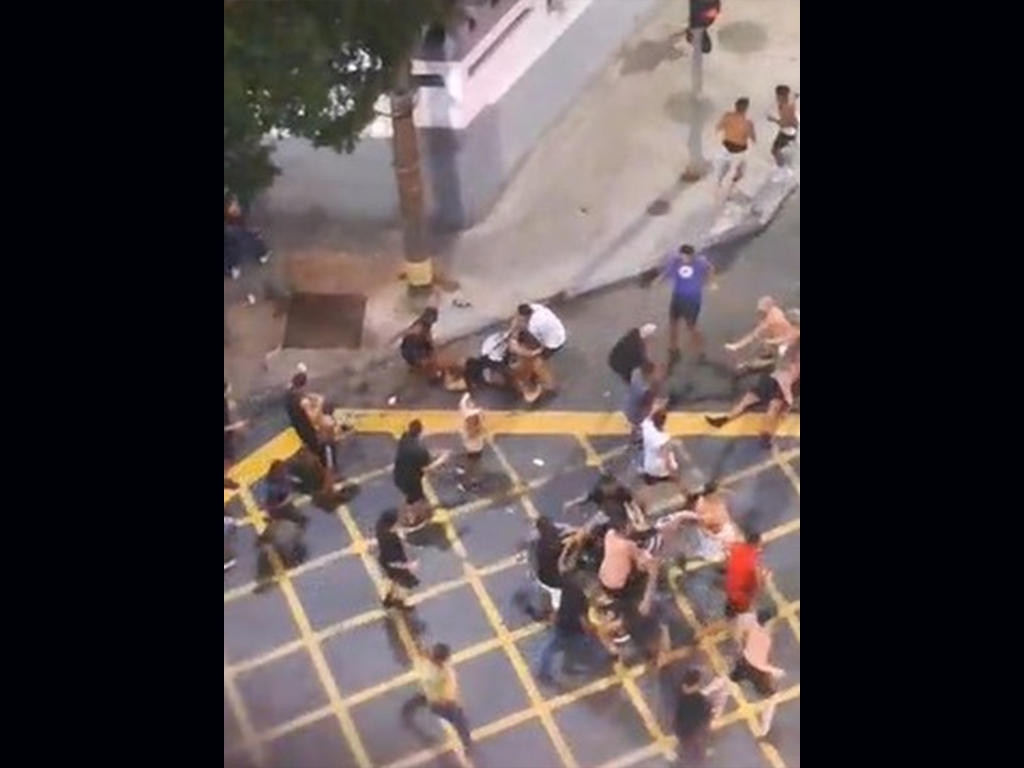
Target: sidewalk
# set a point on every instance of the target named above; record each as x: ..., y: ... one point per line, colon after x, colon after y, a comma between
x: 600, y: 200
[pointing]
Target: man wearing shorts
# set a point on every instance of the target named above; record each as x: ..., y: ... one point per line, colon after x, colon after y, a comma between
x: 788, y: 123
x: 412, y: 462
x: 777, y: 388
x: 690, y: 274
x: 396, y: 565
x: 737, y: 134
x: 743, y: 576
x: 753, y: 665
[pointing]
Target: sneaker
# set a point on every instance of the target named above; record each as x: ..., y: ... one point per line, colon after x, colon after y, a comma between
x: 716, y: 421
x: 229, y: 564
x: 250, y: 299
x: 266, y: 257
x: 235, y: 273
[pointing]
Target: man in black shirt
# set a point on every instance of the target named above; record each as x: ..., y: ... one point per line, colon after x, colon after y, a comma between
x: 630, y: 352
x: 569, y: 635
x: 412, y: 462
x: 396, y: 565
x: 695, y: 708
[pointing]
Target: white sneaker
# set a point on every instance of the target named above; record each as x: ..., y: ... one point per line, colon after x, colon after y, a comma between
x: 250, y: 299
x: 235, y: 273
x: 229, y: 564
x: 266, y: 257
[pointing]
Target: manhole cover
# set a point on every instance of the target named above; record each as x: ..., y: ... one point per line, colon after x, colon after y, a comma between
x: 325, y: 321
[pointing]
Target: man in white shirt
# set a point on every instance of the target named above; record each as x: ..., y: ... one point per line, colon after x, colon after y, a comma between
x: 543, y: 325
x: 659, y: 463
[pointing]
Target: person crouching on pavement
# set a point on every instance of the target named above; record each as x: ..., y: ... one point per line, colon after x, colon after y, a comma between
x: 473, y: 441
x: 420, y: 353
x: 778, y: 389
x: 318, y: 429
x: 543, y: 325
x: 631, y: 351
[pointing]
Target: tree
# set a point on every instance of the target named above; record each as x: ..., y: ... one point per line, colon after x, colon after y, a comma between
x: 316, y: 69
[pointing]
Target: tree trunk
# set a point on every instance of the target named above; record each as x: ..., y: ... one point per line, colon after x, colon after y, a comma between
x: 409, y: 179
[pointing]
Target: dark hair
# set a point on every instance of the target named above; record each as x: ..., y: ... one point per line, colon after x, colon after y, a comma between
x: 545, y: 527
x: 658, y: 419
x: 429, y: 316
x: 440, y: 653
x: 781, y: 90
x: 388, y: 519
x: 753, y: 537
x: 524, y: 310
x: 687, y: 249
x: 415, y: 428
x: 299, y: 380
x: 691, y: 677
x: 742, y: 104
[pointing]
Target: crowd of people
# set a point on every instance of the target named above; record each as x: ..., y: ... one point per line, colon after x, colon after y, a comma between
x: 602, y: 584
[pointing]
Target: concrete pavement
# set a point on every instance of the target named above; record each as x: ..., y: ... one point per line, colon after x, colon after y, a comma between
x: 600, y: 199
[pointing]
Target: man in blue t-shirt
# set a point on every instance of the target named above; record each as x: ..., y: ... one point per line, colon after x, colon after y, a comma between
x: 690, y: 273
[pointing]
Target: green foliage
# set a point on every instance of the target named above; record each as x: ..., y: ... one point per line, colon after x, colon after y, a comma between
x: 314, y: 68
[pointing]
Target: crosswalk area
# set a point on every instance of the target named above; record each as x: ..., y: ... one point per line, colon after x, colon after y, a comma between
x: 315, y: 672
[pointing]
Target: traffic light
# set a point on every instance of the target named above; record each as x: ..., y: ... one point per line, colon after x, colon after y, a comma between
x: 702, y: 15
x: 704, y: 12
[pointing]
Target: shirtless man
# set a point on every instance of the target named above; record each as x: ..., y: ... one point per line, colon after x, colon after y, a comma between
x: 787, y: 120
x: 774, y: 331
x: 715, y: 528
x: 777, y: 389
x: 737, y: 133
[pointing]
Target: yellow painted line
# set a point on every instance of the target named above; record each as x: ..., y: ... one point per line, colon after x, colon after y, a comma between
x: 635, y: 696
x: 508, y: 645
x: 787, y: 470
x: 250, y: 743
x: 539, y: 423
x: 746, y: 710
x: 323, y: 671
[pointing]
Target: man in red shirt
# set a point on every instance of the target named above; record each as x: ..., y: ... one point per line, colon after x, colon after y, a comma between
x: 743, y: 574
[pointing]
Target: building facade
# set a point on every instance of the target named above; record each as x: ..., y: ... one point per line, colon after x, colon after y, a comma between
x: 487, y: 92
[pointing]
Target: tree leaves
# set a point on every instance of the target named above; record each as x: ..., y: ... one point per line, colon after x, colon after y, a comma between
x: 313, y: 68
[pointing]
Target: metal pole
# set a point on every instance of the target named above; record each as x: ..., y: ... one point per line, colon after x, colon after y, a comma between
x: 696, y: 164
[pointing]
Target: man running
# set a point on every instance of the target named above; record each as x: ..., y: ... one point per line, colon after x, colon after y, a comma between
x: 440, y: 692
x: 787, y: 120
x: 737, y: 133
x: 777, y: 388
x: 690, y: 273
x: 412, y: 462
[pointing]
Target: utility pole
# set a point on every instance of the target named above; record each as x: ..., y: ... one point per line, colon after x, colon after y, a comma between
x: 696, y: 164
x: 419, y: 272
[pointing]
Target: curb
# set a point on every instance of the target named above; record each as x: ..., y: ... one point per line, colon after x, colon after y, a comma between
x: 757, y: 218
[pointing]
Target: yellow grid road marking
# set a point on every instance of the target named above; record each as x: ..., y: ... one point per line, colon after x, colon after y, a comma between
x: 285, y: 445
x: 528, y: 423
x: 250, y: 740
x: 312, y: 647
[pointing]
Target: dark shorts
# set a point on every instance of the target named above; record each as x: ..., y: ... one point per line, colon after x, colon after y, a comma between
x: 413, y: 491
x: 685, y: 308
x: 401, y: 577
x: 474, y: 455
x: 654, y: 480
x: 761, y: 680
x: 782, y: 141
x: 767, y: 389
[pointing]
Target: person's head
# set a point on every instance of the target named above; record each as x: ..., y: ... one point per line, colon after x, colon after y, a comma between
x: 622, y: 525
x: 782, y: 92
x: 742, y: 105
x: 428, y: 317
x: 647, y: 330
x: 765, y: 304
x: 524, y: 311
x: 691, y: 679
x: 387, y: 521
x: 545, y: 527
x: 658, y: 420
x: 278, y: 470
x: 753, y: 538
x: 299, y: 381
x: 415, y: 428
x: 440, y: 653
x: 686, y: 252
